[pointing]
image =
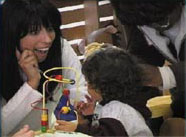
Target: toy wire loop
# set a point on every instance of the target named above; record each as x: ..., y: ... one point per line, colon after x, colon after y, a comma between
x: 63, y: 80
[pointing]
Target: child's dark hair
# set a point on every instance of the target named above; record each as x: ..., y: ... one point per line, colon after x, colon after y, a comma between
x: 118, y: 76
x: 114, y: 72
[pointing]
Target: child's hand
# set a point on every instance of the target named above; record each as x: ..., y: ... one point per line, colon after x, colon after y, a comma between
x: 66, y: 126
x: 87, y: 108
x: 24, y: 132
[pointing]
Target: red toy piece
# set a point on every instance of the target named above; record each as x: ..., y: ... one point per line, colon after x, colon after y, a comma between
x: 59, y: 77
x: 66, y: 92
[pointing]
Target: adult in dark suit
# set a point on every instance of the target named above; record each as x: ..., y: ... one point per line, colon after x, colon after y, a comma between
x: 157, y: 33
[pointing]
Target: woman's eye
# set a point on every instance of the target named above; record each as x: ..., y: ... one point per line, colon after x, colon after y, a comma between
x: 34, y: 32
x: 50, y: 29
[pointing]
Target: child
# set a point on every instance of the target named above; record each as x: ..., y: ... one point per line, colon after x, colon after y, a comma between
x: 114, y: 80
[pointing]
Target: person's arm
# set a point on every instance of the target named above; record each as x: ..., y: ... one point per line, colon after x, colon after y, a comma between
x: 18, y: 107
x: 70, y: 59
x: 92, y: 37
x: 106, y: 127
x: 166, y: 77
x: 97, y: 33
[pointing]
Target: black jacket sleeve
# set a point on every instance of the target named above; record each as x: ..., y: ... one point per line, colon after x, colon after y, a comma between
x: 106, y: 127
x: 179, y: 73
x: 178, y: 94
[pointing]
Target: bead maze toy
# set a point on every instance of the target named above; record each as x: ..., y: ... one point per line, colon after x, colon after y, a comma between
x: 64, y: 110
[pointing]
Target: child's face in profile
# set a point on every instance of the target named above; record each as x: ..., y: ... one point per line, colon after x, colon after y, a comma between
x: 95, y: 94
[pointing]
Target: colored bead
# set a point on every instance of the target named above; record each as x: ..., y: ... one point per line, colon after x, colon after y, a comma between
x: 43, y: 128
x: 66, y: 92
x: 58, y: 77
x: 44, y: 117
x: 44, y: 123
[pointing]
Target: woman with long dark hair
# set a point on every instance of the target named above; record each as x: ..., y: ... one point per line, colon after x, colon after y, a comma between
x: 32, y: 42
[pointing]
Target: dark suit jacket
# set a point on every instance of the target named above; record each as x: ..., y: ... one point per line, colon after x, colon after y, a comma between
x: 138, y: 46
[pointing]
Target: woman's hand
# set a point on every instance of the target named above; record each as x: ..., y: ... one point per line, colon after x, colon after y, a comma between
x: 66, y: 126
x: 29, y: 64
x: 24, y: 132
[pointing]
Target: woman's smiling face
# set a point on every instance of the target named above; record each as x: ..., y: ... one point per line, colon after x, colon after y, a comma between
x: 39, y: 42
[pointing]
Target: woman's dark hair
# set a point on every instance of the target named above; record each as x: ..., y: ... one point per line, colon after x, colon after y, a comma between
x: 19, y: 18
x: 143, y: 12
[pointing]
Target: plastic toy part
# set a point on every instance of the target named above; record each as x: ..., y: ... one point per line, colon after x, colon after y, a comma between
x: 72, y: 82
x: 66, y: 92
x: 58, y: 77
x: 44, y: 122
x: 64, y: 110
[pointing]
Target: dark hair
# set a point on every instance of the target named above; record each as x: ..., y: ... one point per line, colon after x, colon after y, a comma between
x: 114, y: 72
x: 19, y: 18
x: 143, y: 12
x: 118, y: 76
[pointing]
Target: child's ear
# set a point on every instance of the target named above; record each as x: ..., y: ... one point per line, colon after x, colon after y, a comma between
x: 89, y: 86
x: 96, y: 94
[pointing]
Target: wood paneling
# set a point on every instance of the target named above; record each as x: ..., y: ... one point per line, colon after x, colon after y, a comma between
x: 105, y: 10
x: 74, y: 33
x: 73, y: 16
x: 91, y: 16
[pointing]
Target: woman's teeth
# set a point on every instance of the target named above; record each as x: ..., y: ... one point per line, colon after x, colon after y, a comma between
x: 44, y: 50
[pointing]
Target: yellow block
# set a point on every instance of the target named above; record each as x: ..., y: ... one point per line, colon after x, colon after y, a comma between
x: 44, y: 117
x: 159, y: 106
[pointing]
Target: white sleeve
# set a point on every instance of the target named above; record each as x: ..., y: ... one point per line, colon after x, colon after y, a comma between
x: 168, y: 77
x: 18, y: 107
x: 70, y: 59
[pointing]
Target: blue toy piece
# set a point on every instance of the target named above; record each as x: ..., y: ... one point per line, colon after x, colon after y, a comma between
x: 64, y: 110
